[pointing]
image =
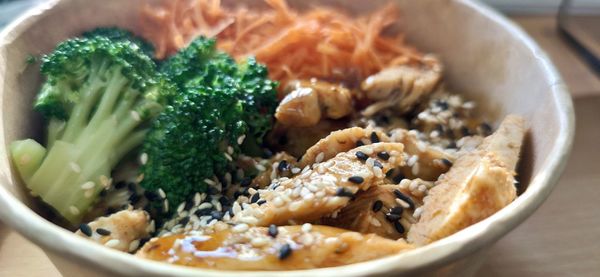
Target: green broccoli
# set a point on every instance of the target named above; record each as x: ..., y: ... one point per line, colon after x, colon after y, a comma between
x: 118, y: 34
x: 99, y: 98
x: 220, y: 105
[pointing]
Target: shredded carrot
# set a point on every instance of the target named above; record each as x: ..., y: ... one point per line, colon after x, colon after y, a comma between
x: 321, y: 42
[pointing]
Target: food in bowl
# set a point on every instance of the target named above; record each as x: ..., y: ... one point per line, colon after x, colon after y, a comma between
x: 343, y: 147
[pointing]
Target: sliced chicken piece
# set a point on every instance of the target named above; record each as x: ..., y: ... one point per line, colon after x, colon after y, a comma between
x: 297, y: 140
x: 425, y: 161
x: 308, y: 101
x: 341, y: 141
x: 401, y: 87
x: 273, y: 248
x: 281, y: 163
x: 479, y: 184
x: 323, y: 189
x: 121, y: 231
x: 385, y: 210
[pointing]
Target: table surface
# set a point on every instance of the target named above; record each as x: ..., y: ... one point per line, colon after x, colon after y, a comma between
x: 545, y: 245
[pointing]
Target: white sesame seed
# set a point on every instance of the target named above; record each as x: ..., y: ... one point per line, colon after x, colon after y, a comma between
x: 210, y: 182
x: 88, y: 185
x: 375, y: 222
x: 415, y: 169
x: 136, y: 116
x: 378, y: 172
x: 243, y: 227
x: 112, y: 243
x: 105, y: 181
x: 405, y: 183
x: 402, y: 203
x: 332, y: 240
x: 260, y: 167
x: 320, y: 157
x: 74, y: 210
x: 413, y: 185
x: 320, y: 194
x: 422, y: 188
x: 248, y: 220
x: 295, y: 206
x: 161, y: 193
x: 306, y: 227
x: 312, y: 187
x: 143, y: 158
x: 88, y: 193
x: 166, y: 205
x: 75, y: 167
x: 418, y: 212
x: 295, y: 170
x: 367, y: 150
x: 277, y: 202
x: 139, y: 178
x: 421, y: 146
x: 240, y: 139
x: 134, y: 245
x: 259, y: 241
x: 412, y: 160
x: 305, y: 169
x: 228, y: 157
x: 180, y: 207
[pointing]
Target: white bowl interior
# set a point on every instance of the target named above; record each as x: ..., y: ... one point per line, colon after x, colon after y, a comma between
x: 486, y: 58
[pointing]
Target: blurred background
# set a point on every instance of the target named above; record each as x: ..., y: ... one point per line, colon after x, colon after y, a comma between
x: 562, y: 237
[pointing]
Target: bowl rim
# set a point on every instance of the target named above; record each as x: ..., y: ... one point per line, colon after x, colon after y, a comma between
x: 60, y: 241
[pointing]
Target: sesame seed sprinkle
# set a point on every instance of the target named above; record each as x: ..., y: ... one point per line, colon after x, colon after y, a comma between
x: 306, y: 227
x: 87, y: 185
x: 143, y: 158
x: 74, y: 210
x: 85, y: 229
x: 320, y: 157
x: 112, y: 243
x: 361, y: 156
x: 356, y: 179
x: 75, y: 167
x: 136, y: 116
x: 285, y: 251
x: 377, y: 205
x: 103, y: 232
x: 273, y: 230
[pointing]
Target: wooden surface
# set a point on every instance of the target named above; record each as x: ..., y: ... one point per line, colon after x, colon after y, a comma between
x: 561, y: 239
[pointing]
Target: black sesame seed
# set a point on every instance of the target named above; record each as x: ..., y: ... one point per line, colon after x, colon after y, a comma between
x: 189, y: 204
x: 361, y: 156
x: 390, y: 173
x: 285, y: 251
x: 85, y: 229
x: 404, y: 198
x: 255, y: 197
x: 120, y: 185
x: 103, y: 193
x: 356, y: 179
x: 452, y: 144
x: 374, y: 137
x: 203, y: 212
x: 216, y: 215
x: 184, y: 221
x: 383, y: 155
x: 465, y: 131
x: 392, y: 217
x: 236, y: 194
x: 439, y: 128
x: 283, y: 166
x: 134, y: 198
x: 359, y: 143
x: 447, y: 162
x: 397, y: 210
x: 343, y: 192
x: 487, y: 129
x: 377, y: 205
x: 376, y: 163
x: 151, y: 196
x: 103, y: 232
x: 246, y: 182
x: 131, y: 187
x: 399, y: 227
x: 443, y: 104
x: 267, y: 154
x: 398, y: 178
x: 246, y: 192
x: 260, y: 202
x: 273, y: 230
x: 224, y: 201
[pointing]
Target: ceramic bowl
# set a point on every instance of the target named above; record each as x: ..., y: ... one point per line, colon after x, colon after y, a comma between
x: 487, y: 58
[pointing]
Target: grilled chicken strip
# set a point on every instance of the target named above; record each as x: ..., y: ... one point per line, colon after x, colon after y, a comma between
x: 401, y: 87
x: 323, y: 189
x: 341, y: 141
x: 385, y: 210
x: 121, y: 231
x: 308, y: 101
x: 479, y: 184
x: 425, y: 161
x: 272, y: 248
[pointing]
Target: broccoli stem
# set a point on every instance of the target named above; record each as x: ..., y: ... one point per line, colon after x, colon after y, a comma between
x: 95, y: 138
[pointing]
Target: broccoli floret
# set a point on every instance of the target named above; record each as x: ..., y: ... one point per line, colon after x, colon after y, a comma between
x: 118, y: 34
x: 98, y: 99
x: 220, y: 103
